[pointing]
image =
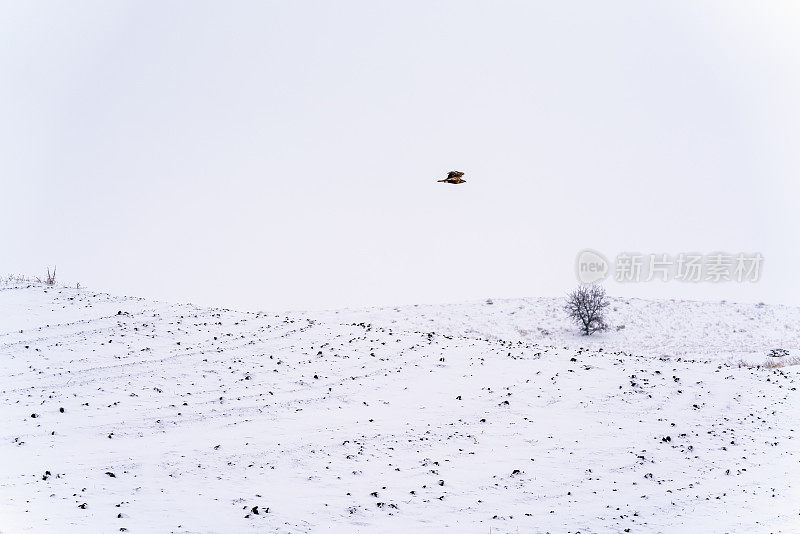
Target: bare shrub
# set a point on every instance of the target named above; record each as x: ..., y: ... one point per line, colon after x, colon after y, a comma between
x: 778, y: 353
x: 586, y: 306
x: 51, y: 278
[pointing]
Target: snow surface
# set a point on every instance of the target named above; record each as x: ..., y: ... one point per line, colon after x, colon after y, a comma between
x: 122, y: 414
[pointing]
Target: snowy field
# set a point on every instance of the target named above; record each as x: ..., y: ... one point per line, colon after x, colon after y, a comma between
x: 122, y: 414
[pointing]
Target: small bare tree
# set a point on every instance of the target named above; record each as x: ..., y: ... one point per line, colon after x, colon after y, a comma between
x: 586, y: 306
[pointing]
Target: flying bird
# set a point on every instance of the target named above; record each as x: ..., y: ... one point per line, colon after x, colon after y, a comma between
x: 453, y: 177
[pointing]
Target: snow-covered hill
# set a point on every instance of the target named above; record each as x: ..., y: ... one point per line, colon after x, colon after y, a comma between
x: 122, y: 414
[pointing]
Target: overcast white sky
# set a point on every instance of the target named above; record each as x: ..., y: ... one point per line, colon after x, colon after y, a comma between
x: 271, y: 155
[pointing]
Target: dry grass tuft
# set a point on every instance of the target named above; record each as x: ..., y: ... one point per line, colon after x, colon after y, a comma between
x: 19, y: 279
x: 772, y: 363
x: 775, y: 363
x: 49, y: 279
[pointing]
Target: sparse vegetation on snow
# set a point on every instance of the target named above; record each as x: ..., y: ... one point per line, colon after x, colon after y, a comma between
x: 123, y: 413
